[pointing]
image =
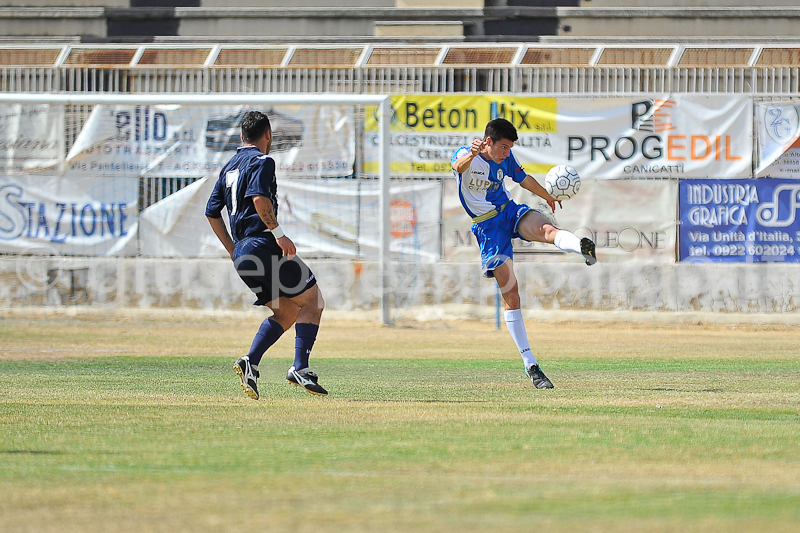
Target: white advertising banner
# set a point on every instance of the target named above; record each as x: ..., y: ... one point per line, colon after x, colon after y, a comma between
x: 194, y: 141
x: 336, y: 217
x: 629, y: 220
x: 31, y: 138
x: 778, y: 137
x: 668, y: 136
x: 342, y: 217
x: 68, y: 216
x: 177, y: 225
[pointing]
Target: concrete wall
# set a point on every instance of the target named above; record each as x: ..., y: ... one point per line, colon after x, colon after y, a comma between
x: 456, y: 4
x: 355, y: 19
x: 297, y: 3
x: 433, y: 30
x: 685, y: 3
x: 655, y: 22
x: 205, y: 24
x: 56, y: 21
x: 65, y: 3
x: 213, y: 284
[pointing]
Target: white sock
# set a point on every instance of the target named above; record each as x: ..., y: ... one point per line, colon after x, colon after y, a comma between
x: 516, y: 326
x: 567, y: 241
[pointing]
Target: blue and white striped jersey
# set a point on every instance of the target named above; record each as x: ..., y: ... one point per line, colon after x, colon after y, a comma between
x: 481, y: 188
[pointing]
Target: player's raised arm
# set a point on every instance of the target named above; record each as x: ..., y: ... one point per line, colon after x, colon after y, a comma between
x: 530, y: 184
x: 461, y: 164
x: 267, y: 214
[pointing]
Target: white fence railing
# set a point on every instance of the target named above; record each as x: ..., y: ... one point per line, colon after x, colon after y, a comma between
x: 585, y: 81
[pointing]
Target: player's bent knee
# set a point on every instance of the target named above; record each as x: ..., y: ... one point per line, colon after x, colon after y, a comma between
x: 310, y: 299
x: 285, y: 315
x: 549, y: 231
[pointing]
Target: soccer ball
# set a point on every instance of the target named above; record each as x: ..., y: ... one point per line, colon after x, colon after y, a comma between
x: 562, y: 182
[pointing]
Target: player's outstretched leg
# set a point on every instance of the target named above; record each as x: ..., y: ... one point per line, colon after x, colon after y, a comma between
x: 534, y: 226
x: 587, y: 251
x: 248, y: 375
x: 569, y: 242
x: 538, y: 378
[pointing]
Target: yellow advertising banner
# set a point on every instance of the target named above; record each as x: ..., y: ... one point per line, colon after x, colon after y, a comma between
x: 427, y: 129
x: 467, y: 113
x: 663, y: 136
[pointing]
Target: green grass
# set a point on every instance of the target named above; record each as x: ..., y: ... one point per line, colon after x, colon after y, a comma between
x: 141, y: 426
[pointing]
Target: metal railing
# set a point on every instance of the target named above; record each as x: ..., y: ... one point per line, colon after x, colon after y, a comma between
x: 565, y: 81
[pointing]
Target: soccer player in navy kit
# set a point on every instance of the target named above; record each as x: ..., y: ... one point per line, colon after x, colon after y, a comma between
x: 496, y: 219
x: 264, y: 257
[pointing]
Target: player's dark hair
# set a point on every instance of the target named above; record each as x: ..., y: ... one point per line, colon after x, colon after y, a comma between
x: 499, y: 129
x: 254, y: 125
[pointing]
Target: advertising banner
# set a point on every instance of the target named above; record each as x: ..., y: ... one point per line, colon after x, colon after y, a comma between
x: 752, y: 220
x: 629, y: 220
x: 68, y: 216
x: 669, y: 136
x: 177, y: 225
x: 31, y: 138
x: 329, y: 218
x: 195, y: 141
x: 342, y: 217
x: 778, y: 135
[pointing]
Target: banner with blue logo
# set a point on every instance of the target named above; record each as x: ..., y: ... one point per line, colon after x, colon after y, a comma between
x: 748, y: 220
x: 64, y: 215
x: 777, y: 131
x: 195, y: 141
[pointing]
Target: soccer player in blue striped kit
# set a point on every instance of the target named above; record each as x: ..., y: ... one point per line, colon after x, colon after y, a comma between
x: 264, y: 257
x: 481, y: 169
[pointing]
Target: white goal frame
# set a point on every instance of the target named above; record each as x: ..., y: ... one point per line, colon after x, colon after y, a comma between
x: 384, y: 122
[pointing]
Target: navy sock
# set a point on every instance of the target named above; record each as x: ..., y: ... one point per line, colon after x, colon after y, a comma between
x: 268, y: 334
x: 306, y: 335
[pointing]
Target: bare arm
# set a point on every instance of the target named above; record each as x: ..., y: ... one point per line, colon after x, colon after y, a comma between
x: 533, y: 186
x: 218, y: 225
x: 267, y: 214
x: 265, y: 211
x: 461, y: 164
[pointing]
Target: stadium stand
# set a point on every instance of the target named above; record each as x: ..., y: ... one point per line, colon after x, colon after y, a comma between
x: 392, y: 20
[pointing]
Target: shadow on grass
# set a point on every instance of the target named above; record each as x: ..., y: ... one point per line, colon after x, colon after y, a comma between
x: 398, y: 400
x: 665, y: 389
x: 32, y: 452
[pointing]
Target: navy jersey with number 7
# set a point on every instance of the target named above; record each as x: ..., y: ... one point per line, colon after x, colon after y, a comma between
x: 249, y: 173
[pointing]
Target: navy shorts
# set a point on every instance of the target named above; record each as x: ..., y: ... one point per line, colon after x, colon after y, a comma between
x: 259, y: 262
x: 494, y: 236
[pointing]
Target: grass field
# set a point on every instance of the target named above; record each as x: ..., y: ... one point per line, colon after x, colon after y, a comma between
x: 139, y: 424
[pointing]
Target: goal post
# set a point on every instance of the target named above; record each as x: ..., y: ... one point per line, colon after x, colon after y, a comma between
x: 384, y: 113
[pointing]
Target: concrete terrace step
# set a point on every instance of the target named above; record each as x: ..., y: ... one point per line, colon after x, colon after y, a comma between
x: 504, y: 23
x: 110, y: 23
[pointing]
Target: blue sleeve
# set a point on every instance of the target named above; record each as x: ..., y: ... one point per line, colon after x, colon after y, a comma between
x: 216, y: 201
x: 262, y: 178
x: 461, y: 152
x: 516, y: 171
